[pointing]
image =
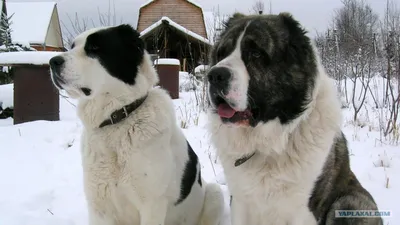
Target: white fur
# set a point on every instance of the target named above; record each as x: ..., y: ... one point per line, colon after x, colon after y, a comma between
x: 132, y: 169
x: 237, y: 91
x: 274, y: 186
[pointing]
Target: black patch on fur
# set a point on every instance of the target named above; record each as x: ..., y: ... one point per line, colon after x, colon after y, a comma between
x: 119, y: 50
x: 86, y: 91
x: 337, y: 188
x: 199, y: 178
x: 189, y: 175
x: 244, y: 159
x: 280, y: 61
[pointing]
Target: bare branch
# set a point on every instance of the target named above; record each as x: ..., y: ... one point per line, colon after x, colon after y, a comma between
x: 258, y: 7
x: 76, y: 25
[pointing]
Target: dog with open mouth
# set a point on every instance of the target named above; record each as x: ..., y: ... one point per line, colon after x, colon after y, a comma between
x: 275, y: 121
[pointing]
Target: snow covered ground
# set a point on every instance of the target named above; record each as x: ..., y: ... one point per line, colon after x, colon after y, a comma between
x: 41, y: 178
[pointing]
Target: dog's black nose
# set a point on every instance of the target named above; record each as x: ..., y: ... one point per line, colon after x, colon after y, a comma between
x: 219, y: 76
x: 56, y: 64
x: 56, y: 61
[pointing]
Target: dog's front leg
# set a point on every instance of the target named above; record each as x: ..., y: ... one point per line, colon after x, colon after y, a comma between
x: 154, y: 212
x: 238, y: 213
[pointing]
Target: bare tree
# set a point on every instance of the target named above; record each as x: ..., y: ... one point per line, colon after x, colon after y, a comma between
x: 390, y: 32
x: 77, y: 24
x: 356, y: 24
x: 359, y: 48
x: 258, y: 7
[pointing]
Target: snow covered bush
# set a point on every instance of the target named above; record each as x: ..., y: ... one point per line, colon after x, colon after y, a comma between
x: 6, y: 113
x: 200, y: 71
x: 6, y: 101
x: 187, y: 82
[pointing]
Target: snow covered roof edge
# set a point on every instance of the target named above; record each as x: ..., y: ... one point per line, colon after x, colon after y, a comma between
x: 27, y: 58
x: 167, y: 61
x: 177, y: 26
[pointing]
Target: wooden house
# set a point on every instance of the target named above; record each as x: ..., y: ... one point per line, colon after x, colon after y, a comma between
x: 175, y: 29
x: 36, y: 24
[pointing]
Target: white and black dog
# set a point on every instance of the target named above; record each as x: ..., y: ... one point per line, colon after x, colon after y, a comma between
x: 276, y: 125
x: 138, y: 167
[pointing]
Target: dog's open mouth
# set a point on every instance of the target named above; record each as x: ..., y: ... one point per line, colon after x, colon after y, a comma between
x: 226, y: 111
x: 228, y: 114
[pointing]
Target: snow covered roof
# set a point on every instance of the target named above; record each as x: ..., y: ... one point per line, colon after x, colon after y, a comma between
x: 177, y: 26
x: 30, y: 21
x: 150, y: 1
x: 31, y: 58
x: 167, y: 61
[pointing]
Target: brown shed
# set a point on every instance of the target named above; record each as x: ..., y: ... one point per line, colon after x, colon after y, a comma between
x: 35, y: 96
x: 175, y: 29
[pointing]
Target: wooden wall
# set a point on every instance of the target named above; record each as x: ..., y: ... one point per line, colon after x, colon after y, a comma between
x: 180, y: 11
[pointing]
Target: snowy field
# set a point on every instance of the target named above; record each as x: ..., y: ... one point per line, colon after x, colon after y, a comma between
x: 40, y: 164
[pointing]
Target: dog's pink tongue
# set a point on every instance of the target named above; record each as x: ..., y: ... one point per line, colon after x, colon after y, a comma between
x: 225, y: 111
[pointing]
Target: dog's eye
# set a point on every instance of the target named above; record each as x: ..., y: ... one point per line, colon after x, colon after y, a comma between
x: 92, y: 47
x: 255, y: 53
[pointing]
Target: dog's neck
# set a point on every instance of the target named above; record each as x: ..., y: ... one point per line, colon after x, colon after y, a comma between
x: 124, y: 112
x: 93, y: 112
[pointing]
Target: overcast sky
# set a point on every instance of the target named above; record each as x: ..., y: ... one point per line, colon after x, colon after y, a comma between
x: 313, y: 14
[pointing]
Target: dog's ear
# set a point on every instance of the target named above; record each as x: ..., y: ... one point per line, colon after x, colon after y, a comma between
x: 291, y: 24
x: 127, y: 29
x: 232, y: 19
x: 130, y: 36
x: 297, y: 41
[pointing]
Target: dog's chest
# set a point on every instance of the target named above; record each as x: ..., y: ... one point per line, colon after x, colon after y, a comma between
x: 273, y: 187
x: 120, y: 168
x: 268, y: 194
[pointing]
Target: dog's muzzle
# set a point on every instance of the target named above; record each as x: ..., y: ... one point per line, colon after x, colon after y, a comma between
x: 56, y: 65
x: 219, y: 78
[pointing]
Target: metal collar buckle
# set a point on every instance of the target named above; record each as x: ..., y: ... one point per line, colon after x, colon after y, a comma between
x: 125, y: 111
